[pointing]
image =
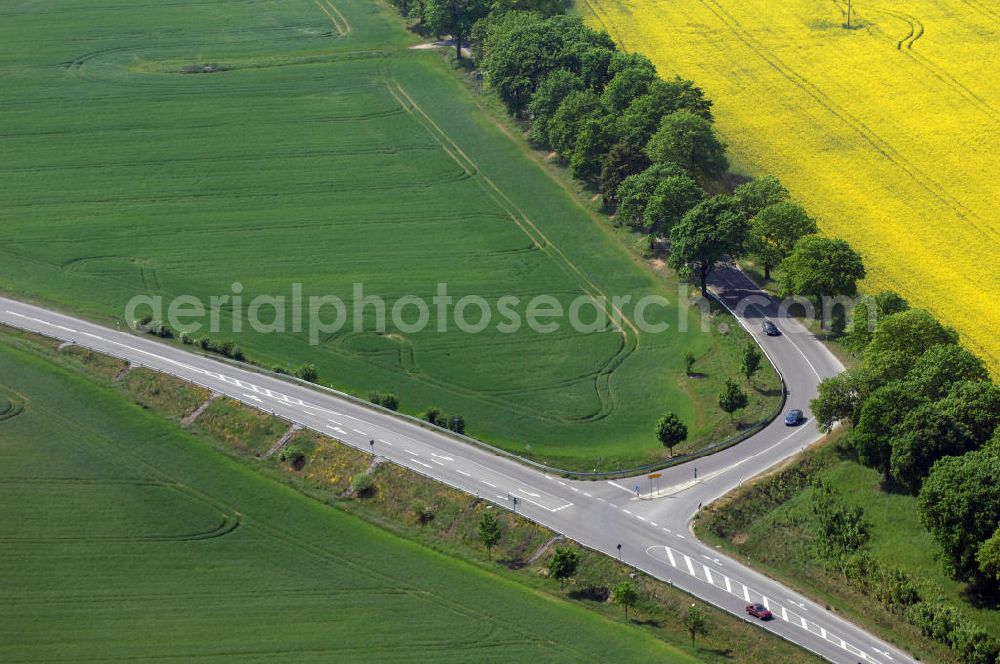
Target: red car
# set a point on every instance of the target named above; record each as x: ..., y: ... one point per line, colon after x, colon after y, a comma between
x: 759, y: 611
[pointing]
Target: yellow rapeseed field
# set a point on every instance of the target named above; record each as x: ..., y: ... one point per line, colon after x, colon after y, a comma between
x: 889, y: 132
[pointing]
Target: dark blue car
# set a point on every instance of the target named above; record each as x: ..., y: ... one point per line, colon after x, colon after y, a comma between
x: 794, y: 418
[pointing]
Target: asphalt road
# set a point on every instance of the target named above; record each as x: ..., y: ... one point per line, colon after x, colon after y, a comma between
x: 650, y: 523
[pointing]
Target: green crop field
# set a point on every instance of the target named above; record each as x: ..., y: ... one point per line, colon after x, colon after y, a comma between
x: 176, y: 148
x: 125, y: 538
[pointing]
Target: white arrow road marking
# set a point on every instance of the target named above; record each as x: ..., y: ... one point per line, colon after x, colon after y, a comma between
x: 528, y: 493
x: 798, y: 604
x: 443, y: 458
x: 883, y: 653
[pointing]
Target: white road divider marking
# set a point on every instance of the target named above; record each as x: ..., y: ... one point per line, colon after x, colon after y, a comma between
x: 254, y: 397
x: 457, y: 470
x: 421, y: 463
x: 488, y: 484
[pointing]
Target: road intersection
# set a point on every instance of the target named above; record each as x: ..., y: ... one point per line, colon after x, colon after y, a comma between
x: 650, y: 524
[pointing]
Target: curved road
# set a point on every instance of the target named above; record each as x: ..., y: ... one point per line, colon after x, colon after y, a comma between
x: 652, y: 528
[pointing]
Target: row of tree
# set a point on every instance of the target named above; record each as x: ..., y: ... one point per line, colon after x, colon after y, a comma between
x: 923, y: 411
x: 650, y: 146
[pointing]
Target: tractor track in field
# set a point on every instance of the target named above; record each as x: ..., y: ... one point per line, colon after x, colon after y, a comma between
x: 905, y: 45
x: 983, y: 10
x: 339, y: 21
x: 882, y: 146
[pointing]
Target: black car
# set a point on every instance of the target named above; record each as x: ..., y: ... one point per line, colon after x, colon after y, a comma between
x: 794, y: 418
x: 770, y: 329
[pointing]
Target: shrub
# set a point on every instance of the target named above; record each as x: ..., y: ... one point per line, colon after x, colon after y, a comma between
x: 186, y: 339
x: 435, y: 417
x: 423, y: 513
x: 294, y: 457
x: 363, y: 486
x: 888, y: 585
x: 766, y: 495
x: 307, y: 372
x: 384, y: 399
x: 840, y: 528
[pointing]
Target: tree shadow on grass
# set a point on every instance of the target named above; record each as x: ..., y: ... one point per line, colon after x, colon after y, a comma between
x: 648, y: 622
x: 982, y: 595
x: 593, y: 594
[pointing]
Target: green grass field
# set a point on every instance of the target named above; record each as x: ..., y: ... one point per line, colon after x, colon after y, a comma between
x: 323, y: 151
x: 125, y: 538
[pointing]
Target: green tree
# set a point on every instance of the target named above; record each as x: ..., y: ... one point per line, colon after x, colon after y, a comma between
x: 753, y: 196
x: 625, y: 595
x: 594, y: 139
x: 688, y: 140
x: 941, y: 367
x: 988, y: 557
x: 820, y: 267
x: 836, y: 399
x: 670, y: 431
x: 551, y: 91
x: 624, y: 159
x: 575, y: 110
x: 750, y: 363
x: 912, y: 332
x: 689, y: 360
x: 710, y: 231
x: 881, y: 414
x: 626, y: 85
x: 640, y: 120
x: 960, y: 505
x: 672, y: 198
x: 519, y: 50
x: 635, y: 192
x: 961, y: 422
x: 732, y: 398
x: 564, y: 563
x: 775, y: 230
x: 867, y: 315
x: 453, y: 17
x: 695, y: 623
x: 489, y: 532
